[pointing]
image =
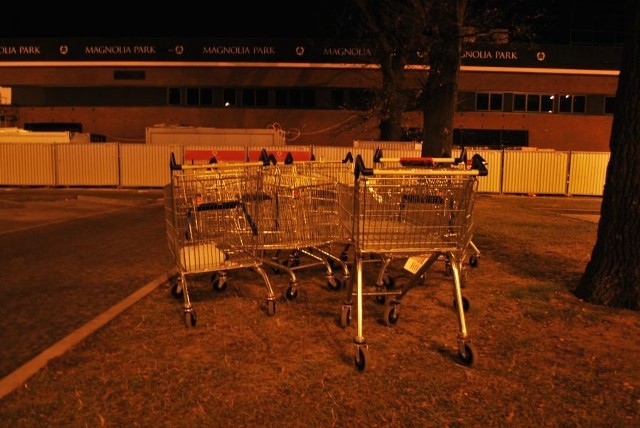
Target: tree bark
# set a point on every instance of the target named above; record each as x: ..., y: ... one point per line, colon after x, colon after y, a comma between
x: 440, y: 90
x: 393, y: 99
x: 612, y: 276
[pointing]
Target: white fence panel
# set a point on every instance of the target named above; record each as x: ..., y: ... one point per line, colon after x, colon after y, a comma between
x: 146, y: 165
x: 535, y: 172
x: 27, y: 164
x: 87, y: 164
x: 588, y: 173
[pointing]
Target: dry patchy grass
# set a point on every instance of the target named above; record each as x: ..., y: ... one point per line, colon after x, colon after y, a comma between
x: 545, y: 358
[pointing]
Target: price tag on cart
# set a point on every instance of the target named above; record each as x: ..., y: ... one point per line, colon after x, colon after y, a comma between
x: 415, y: 262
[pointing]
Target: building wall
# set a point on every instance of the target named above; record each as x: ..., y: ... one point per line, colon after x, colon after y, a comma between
x: 327, y: 127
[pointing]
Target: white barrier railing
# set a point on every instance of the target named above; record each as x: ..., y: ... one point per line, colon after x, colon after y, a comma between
x: 147, y: 166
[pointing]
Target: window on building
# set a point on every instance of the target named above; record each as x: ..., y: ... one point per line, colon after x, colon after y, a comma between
x: 192, y: 96
x: 229, y: 97
x: 572, y: 104
x: 337, y: 98
x: 174, y: 97
x: 494, y: 138
x: 255, y: 97
x: 609, y: 105
x: 533, y: 103
x: 206, y: 96
x: 489, y: 101
x: 360, y: 99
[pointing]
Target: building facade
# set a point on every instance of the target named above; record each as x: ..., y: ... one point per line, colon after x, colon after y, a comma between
x: 317, y: 91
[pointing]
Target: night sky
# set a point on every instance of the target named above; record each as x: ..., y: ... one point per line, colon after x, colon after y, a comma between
x: 589, y: 21
x: 184, y: 18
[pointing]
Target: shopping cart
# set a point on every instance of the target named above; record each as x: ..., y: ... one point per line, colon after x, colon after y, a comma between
x: 423, y: 213
x: 299, y: 217
x: 473, y: 253
x: 207, y: 225
x: 339, y: 174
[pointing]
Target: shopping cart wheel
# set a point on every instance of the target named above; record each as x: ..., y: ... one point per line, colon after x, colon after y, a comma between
x: 345, y: 316
x: 292, y: 262
x: 190, y: 318
x: 465, y: 304
x: 391, y: 314
x: 291, y: 293
x: 176, y: 290
x: 334, y: 283
x: 361, y: 356
x: 389, y: 281
x: 219, y: 282
x: 473, y: 261
x: 470, y: 355
x: 271, y: 307
x: 448, y: 267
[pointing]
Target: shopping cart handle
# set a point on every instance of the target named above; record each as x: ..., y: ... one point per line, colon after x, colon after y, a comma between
x: 266, y: 158
x: 377, y: 155
x: 478, y: 162
x: 289, y: 159
x: 359, y: 168
x: 173, y: 165
x: 348, y: 158
x: 463, y: 157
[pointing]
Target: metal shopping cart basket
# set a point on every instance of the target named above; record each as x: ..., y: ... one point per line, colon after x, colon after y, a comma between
x: 207, y: 225
x: 300, y: 216
x: 339, y: 175
x: 411, y: 211
x: 472, y: 253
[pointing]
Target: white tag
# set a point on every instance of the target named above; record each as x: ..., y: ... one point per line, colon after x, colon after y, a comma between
x: 415, y: 262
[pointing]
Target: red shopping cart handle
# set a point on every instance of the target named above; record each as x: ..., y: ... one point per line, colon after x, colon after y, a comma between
x: 426, y: 161
x: 422, y: 161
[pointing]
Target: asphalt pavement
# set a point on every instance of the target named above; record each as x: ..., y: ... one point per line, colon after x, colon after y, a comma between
x: 72, y: 259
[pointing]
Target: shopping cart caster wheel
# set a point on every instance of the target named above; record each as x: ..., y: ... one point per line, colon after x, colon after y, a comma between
x: 470, y: 355
x: 271, y: 307
x: 345, y: 316
x: 219, y: 283
x: 291, y: 293
x: 391, y: 315
x: 293, y: 262
x: 465, y: 304
x: 389, y: 282
x: 176, y: 290
x: 190, y: 319
x: 334, y: 284
x: 473, y: 261
x: 361, y: 357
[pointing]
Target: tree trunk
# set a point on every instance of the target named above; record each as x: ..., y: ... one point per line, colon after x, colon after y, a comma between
x: 612, y: 276
x: 441, y: 87
x: 392, y: 98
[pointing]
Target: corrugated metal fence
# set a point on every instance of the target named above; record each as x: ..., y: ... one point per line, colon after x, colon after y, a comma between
x: 147, y: 166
